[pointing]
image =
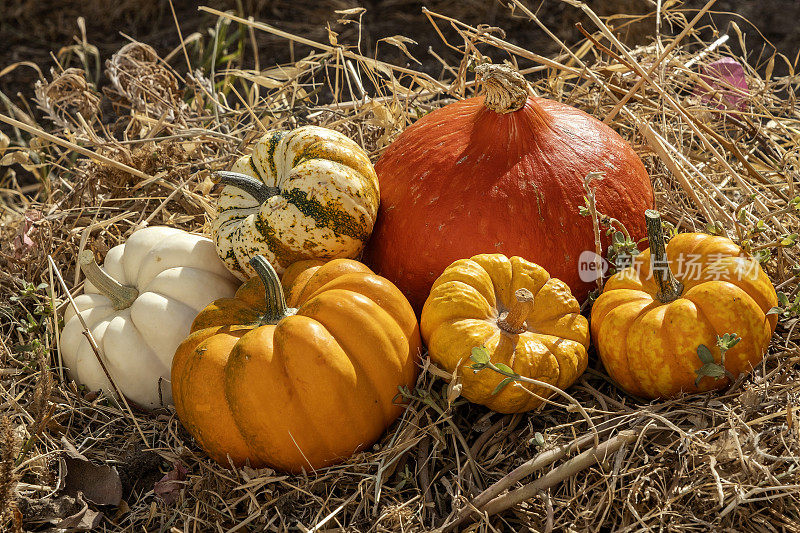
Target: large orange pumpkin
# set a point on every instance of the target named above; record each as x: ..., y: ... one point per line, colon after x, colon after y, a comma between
x: 653, y: 316
x: 298, y: 384
x: 504, y: 175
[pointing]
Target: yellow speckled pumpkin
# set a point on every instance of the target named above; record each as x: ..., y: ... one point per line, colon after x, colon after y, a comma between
x: 478, y: 302
x: 650, y: 320
x: 308, y: 193
x: 302, y: 383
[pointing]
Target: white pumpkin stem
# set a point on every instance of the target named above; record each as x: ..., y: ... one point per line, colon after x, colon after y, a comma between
x: 273, y: 291
x: 121, y: 296
x: 248, y: 184
x: 513, y: 321
x: 669, y: 288
x: 506, y: 89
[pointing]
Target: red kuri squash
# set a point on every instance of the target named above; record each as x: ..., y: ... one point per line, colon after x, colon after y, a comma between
x: 505, y: 175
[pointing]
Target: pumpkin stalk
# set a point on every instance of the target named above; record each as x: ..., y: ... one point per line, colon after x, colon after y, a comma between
x: 248, y: 184
x: 121, y: 296
x: 273, y: 291
x: 669, y: 288
x: 513, y: 321
x: 506, y: 89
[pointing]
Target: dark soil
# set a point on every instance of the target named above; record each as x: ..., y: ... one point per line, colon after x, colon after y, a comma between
x: 34, y: 30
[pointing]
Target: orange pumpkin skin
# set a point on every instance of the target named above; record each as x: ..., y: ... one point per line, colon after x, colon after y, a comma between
x: 465, y: 180
x: 308, y: 391
x: 650, y: 348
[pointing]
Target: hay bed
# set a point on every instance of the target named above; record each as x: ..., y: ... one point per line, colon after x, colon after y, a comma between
x: 723, y: 461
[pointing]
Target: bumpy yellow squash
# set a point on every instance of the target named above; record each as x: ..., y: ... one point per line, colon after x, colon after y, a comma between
x: 486, y: 301
x: 309, y: 193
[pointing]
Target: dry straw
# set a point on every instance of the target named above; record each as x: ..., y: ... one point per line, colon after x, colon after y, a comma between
x: 726, y: 461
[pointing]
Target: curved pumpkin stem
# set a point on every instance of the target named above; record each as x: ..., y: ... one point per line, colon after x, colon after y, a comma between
x: 669, y: 288
x: 121, y: 296
x: 514, y: 320
x: 506, y: 89
x: 248, y: 184
x: 273, y: 291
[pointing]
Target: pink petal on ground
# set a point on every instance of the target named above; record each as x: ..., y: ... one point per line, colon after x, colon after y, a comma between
x: 728, y: 79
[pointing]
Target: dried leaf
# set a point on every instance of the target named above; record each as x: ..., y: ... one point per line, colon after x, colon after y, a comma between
x: 438, y: 372
x: 168, y: 488
x: 99, y: 484
x: 357, y: 11
x: 724, y: 448
x: 84, y: 520
x: 17, y: 156
x: 64, y: 513
x: 23, y: 243
x: 454, y: 388
x: 332, y: 36
x: 400, y: 42
x: 351, y: 11
x: 739, y: 34
x: 271, y: 79
x: 4, y: 142
x: 769, y: 69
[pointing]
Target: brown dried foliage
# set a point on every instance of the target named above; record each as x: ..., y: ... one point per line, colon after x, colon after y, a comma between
x: 718, y: 461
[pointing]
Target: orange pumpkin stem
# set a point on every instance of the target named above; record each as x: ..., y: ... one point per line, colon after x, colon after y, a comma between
x: 669, y: 288
x: 276, y: 308
x: 513, y: 321
x: 506, y: 89
x: 121, y: 296
x: 248, y: 184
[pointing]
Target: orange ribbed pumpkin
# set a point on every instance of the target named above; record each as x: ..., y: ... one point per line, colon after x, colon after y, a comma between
x: 651, y: 318
x: 504, y: 175
x: 301, y: 381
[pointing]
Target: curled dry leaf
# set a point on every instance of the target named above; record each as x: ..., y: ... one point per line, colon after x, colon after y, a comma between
x: 438, y: 372
x: 100, y: 484
x: 271, y: 79
x: 454, y: 388
x: 356, y: 11
x: 138, y: 75
x: 67, y: 94
x: 63, y: 513
x: 351, y: 11
x: 23, y: 242
x: 168, y: 488
x: 400, y: 42
x: 16, y: 157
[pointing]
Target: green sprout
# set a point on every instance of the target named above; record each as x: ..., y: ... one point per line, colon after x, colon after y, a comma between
x: 481, y: 360
x: 786, y: 308
x: 710, y: 367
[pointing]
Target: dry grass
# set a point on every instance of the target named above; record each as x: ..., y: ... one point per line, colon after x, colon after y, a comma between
x: 141, y: 153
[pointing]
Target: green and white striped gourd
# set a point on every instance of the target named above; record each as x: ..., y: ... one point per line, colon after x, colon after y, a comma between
x: 308, y: 193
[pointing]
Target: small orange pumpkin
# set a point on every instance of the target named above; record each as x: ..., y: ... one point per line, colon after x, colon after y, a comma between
x: 649, y: 323
x: 302, y: 384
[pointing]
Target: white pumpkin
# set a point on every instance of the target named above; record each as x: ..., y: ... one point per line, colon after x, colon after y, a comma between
x: 139, y: 308
x: 309, y: 193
